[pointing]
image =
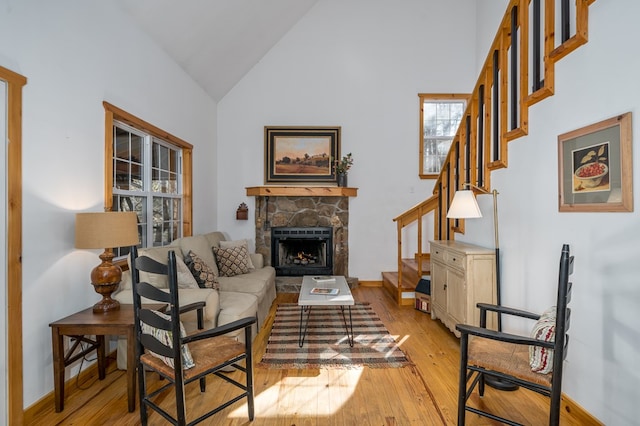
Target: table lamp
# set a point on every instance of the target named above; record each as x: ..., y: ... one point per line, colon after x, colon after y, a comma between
x: 106, y: 230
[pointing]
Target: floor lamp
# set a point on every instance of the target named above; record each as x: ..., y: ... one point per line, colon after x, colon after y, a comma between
x: 465, y: 206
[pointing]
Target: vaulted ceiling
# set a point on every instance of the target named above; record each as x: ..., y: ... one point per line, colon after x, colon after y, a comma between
x: 216, y: 41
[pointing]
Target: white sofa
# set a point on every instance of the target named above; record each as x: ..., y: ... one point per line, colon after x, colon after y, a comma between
x: 246, y: 294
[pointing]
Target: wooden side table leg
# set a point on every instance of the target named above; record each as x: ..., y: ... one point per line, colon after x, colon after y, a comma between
x: 58, y: 367
x: 131, y: 368
x: 101, y: 357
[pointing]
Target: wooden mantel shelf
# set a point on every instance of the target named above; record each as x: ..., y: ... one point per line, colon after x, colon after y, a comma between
x: 301, y: 191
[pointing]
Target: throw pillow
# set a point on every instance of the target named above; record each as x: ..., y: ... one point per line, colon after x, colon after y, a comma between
x: 231, y: 261
x: 165, y: 337
x: 204, y: 275
x: 541, y: 359
x: 229, y: 244
x: 185, y: 277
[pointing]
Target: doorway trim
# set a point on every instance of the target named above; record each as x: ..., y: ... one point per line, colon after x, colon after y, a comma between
x: 14, y: 82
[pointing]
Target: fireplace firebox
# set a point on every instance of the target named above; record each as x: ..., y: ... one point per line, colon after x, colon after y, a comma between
x: 302, y: 250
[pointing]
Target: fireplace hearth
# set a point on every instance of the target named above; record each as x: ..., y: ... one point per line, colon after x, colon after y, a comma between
x: 297, y: 251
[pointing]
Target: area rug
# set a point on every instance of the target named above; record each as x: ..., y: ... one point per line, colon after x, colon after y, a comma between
x: 326, y: 344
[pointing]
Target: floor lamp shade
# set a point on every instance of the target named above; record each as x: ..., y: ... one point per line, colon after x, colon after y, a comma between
x: 464, y: 206
x: 105, y: 230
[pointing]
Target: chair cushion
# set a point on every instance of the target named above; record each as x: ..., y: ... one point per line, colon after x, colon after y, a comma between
x: 504, y: 357
x: 206, y: 353
x: 165, y: 337
x: 232, y: 261
x: 541, y: 359
x: 203, y: 274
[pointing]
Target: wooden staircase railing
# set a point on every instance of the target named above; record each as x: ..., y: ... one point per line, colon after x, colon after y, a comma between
x: 517, y: 73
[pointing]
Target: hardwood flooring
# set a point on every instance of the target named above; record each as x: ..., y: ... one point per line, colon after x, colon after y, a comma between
x: 422, y: 394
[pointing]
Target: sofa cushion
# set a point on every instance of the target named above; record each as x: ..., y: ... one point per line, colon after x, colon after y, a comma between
x: 232, y: 261
x: 203, y: 274
x: 252, y: 282
x: 235, y: 306
x: 200, y: 246
x: 214, y: 238
x: 165, y: 337
x: 257, y: 259
x: 185, y: 276
x: 237, y: 243
x: 160, y: 254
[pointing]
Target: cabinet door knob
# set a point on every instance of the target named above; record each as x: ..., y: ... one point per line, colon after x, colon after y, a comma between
x: 444, y: 287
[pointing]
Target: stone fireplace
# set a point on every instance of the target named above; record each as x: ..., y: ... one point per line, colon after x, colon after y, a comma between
x: 302, y: 251
x: 307, y: 209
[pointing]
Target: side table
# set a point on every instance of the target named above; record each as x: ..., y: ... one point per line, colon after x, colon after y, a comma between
x: 87, y: 323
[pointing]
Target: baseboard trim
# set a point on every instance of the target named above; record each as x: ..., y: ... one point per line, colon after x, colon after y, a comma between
x: 582, y: 416
x: 370, y: 283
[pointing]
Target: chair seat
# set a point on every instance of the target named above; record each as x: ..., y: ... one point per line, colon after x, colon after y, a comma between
x: 206, y: 354
x: 504, y: 357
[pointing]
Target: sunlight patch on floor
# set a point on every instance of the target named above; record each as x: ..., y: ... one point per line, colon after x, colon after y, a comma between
x: 318, y: 395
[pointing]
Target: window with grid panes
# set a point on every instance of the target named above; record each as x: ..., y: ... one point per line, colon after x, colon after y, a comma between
x: 440, y: 116
x: 147, y: 179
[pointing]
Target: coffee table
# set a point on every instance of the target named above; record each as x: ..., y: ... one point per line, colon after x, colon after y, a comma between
x: 306, y: 300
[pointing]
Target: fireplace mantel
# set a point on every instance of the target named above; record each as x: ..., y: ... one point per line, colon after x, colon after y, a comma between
x: 301, y: 191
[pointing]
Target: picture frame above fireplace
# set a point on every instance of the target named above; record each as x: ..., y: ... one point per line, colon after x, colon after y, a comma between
x: 300, y: 155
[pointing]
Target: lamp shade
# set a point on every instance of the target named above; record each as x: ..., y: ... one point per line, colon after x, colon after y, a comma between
x: 106, y: 230
x: 464, y: 206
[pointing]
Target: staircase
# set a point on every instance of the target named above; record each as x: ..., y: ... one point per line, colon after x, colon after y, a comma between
x: 404, y: 293
x: 518, y: 73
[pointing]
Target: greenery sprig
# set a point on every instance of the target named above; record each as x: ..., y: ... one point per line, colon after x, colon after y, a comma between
x: 343, y: 165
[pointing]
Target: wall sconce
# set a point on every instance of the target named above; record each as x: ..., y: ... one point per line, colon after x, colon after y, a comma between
x: 243, y: 212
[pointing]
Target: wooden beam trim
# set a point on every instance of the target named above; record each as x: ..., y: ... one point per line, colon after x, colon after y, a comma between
x: 15, y: 385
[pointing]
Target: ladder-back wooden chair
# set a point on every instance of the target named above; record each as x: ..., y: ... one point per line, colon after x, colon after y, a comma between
x: 533, y: 362
x: 161, y: 343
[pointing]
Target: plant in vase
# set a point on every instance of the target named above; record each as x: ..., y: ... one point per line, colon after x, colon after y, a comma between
x: 342, y: 167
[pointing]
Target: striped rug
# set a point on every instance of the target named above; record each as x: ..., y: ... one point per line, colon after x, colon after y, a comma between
x: 326, y: 344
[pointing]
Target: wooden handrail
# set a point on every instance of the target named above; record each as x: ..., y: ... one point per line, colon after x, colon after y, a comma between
x: 498, y: 110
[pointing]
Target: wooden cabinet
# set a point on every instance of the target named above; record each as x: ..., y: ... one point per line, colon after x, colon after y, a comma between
x: 462, y: 275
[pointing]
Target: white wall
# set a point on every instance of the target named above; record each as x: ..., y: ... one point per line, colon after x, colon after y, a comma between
x: 489, y: 17
x: 76, y: 54
x: 596, y: 82
x: 360, y: 65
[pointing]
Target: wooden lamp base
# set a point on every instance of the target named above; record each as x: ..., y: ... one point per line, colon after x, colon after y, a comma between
x: 105, y: 279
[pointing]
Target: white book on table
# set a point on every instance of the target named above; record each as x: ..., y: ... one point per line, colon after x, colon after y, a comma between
x: 325, y: 291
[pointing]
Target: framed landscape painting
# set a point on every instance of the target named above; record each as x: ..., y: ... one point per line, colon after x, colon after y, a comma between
x: 595, y: 168
x: 301, y: 154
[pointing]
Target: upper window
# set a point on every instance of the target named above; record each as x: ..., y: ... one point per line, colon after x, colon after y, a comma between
x: 148, y: 174
x: 440, y: 116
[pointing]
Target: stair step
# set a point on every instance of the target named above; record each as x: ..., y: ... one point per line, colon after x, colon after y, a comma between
x: 412, y: 265
x: 390, y: 282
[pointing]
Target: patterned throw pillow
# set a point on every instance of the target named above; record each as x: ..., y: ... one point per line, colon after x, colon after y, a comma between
x: 228, y: 244
x: 165, y: 337
x: 541, y: 359
x: 204, y: 275
x: 231, y: 261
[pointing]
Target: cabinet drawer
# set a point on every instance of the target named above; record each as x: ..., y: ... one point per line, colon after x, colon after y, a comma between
x: 456, y: 260
x: 437, y: 253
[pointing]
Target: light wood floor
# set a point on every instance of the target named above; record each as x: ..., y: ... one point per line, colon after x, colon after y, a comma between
x: 422, y: 394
